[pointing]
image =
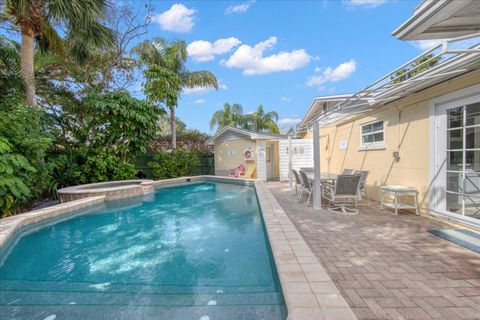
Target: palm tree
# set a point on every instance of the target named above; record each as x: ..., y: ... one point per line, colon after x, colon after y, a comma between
x: 10, y: 80
x: 231, y: 115
x: 80, y: 21
x: 167, y: 75
x: 261, y: 121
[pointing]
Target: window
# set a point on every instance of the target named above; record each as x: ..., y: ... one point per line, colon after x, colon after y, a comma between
x: 373, y: 134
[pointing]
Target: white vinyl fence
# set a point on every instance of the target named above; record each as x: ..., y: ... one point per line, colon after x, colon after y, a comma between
x: 302, y: 155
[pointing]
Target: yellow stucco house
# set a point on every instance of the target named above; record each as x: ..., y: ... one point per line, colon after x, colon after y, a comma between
x: 418, y: 125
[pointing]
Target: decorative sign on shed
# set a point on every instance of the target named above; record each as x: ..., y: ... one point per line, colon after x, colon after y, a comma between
x: 248, y: 154
x: 343, y: 145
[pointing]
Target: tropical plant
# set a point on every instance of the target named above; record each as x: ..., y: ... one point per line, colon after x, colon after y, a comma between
x: 106, y: 167
x: 9, y: 66
x: 114, y: 122
x: 262, y: 121
x: 176, y: 163
x: 12, y: 187
x: 166, y: 75
x: 24, y: 128
x: 230, y: 115
x: 80, y: 21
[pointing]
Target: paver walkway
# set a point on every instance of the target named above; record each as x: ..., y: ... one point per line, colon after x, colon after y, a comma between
x: 388, y: 266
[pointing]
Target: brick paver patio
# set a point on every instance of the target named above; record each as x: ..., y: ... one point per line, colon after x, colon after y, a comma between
x: 388, y: 266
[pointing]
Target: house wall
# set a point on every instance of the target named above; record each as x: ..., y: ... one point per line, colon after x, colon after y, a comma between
x: 406, y: 131
x: 229, y: 154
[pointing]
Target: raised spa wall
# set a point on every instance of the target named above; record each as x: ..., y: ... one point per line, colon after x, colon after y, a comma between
x: 111, y: 190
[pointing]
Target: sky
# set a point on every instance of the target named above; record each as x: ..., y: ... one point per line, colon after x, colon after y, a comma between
x: 283, y: 54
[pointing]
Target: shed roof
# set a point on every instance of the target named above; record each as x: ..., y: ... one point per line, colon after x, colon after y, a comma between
x: 243, y: 132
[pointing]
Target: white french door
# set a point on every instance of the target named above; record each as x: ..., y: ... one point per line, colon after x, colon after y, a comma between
x: 458, y: 158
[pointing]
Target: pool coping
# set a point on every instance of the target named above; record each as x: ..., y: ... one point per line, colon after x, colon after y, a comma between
x: 309, y: 292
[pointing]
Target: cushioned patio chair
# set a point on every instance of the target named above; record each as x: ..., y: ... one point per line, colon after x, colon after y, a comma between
x: 297, y: 182
x: 363, y: 181
x: 306, y: 186
x: 344, y: 192
x: 236, y: 172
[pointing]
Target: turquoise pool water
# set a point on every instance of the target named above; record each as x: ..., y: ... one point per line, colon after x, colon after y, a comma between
x: 195, y: 251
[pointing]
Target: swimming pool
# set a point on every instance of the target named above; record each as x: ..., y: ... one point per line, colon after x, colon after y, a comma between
x: 194, y: 251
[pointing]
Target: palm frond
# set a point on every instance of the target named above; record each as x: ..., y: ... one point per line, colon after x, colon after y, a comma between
x: 199, y: 79
x: 9, y: 56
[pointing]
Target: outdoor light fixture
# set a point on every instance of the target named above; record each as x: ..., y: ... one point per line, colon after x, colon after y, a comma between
x: 396, y: 156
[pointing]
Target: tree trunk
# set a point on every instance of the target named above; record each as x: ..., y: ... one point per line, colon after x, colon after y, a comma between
x: 26, y: 64
x: 172, y: 127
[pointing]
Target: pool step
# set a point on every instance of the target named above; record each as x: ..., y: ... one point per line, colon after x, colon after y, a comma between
x: 143, y: 313
x: 58, y: 298
x: 23, y: 285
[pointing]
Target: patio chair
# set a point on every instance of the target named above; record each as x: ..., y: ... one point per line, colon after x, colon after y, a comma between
x: 308, y: 169
x: 363, y: 181
x: 306, y: 186
x: 345, y: 191
x: 236, y: 172
x: 248, y: 174
x: 298, y: 182
x: 347, y: 171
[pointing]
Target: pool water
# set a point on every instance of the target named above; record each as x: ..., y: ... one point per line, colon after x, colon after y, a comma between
x: 195, y: 251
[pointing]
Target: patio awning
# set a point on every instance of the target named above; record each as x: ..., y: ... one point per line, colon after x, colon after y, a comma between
x: 441, y: 19
x: 446, y: 61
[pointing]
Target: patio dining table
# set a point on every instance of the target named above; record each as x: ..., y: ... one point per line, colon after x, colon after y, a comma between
x: 324, y: 176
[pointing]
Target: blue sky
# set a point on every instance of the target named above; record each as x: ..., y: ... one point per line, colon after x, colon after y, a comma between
x: 282, y: 54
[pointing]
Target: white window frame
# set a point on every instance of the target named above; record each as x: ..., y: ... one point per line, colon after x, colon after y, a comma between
x: 372, y: 145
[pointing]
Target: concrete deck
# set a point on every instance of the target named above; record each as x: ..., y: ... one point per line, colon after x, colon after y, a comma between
x: 388, y: 266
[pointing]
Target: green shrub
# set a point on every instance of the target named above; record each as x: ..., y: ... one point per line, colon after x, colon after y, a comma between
x: 103, y: 167
x: 176, y: 163
x: 114, y: 122
x: 24, y: 128
x: 12, y: 187
x: 72, y: 169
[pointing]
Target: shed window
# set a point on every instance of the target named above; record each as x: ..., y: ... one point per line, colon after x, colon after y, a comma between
x: 373, y: 133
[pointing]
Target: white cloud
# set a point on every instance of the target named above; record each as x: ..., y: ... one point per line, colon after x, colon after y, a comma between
x: 340, y: 72
x: 202, y: 50
x: 240, y: 8
x: 177, y: 19
x: 286, y: 99
x: 202, y: 90
x: 252, y: 61
x: 364, y: 3
x: 200, y: 101
x: 289, y: 121
x: 426, y: 44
